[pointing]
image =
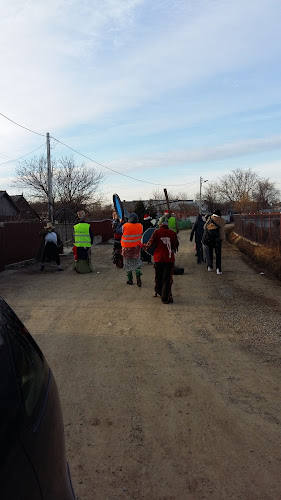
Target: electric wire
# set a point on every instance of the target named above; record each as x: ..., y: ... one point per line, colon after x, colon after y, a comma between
x: 18, y: 124
x: 94, y: 161
x: 116, y: 171
x: 16, y: 159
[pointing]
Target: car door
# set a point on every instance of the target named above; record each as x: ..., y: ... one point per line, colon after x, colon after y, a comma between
x: 41, y: 431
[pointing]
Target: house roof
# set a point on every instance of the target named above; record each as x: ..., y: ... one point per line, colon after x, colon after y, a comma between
x: 25, y: 209
x: 9, y: 198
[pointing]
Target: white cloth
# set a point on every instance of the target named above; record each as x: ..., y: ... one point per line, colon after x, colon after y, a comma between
x: 51, y: 238
x: 167, y: 242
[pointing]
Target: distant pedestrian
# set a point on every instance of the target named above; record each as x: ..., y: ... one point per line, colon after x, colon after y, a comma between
x: 131, y: 248
x: 166, y: 244
x: 198, y: 230
x: 83, y: 240
x: 49, y: 248
x: 117, y: 249
x: 212, y: 239
x: 171, y: 219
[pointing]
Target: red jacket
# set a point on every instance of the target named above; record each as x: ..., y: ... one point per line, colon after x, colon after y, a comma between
x: 166, y: 243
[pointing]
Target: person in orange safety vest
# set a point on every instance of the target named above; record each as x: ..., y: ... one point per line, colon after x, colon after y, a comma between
x: 131, y: 248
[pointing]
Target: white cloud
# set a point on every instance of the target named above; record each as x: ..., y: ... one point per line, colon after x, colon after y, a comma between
x: 67, y: 64
x: 64, y: 65
x: 177, y: 159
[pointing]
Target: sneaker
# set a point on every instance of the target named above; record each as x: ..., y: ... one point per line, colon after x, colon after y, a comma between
x: 60, y: 268
x: 139, y: 281
x: 209, y: 268
x: 218, y: 271
x: 130, y: 282
x: 42, y: 268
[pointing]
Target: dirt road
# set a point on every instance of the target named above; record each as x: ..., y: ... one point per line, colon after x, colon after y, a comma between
x: 178, y: 401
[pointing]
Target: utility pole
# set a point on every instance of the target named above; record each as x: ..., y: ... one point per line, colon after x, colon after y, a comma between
x: 50, y: 190
x: 200, y: 191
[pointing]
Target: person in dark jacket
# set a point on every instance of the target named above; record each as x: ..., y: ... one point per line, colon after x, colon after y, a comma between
x: 198, y: 230
x: 214, y: 224
x: 117, y: 249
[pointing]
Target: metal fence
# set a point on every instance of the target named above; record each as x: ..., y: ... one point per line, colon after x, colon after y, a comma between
x: 261, y: 228
x: 20, y: 241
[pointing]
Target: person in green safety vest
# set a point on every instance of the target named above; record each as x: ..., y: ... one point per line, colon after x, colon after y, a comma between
x: 172, y: 221
x: 83, y: 240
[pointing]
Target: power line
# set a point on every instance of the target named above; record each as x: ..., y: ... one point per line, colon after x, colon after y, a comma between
x: 119, y: 173
x: 94, y: 161
x: 4, y: 156
x: 18, y: 124
x: 11, y: 161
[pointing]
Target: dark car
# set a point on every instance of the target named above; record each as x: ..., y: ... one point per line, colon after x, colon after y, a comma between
x: 33, y: 463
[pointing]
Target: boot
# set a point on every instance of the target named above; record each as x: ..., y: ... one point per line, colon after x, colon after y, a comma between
x: 130, y: 278
x: 138, y: 276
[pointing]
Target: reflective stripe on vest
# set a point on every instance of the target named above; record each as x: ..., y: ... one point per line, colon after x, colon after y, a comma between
x: 132, y: 234
x: 82, y: 235
x: 172, y: 224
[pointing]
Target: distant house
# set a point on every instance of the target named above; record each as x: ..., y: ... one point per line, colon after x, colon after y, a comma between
x: 15, y: 208
x: 9, y: 212
x: 27, y: 214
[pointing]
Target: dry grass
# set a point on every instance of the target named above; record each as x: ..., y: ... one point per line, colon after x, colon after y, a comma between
x: 267, y: 258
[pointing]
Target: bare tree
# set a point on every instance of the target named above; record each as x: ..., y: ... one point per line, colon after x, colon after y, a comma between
x: 211, y: 197
x: 242, y: 191
x: 32, y: 175
x: 236, y: 185
x: 73, y: 185
x: 265, y: 194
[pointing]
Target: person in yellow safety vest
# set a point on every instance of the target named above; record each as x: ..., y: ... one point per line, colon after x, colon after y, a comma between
x: 131, y: 248
x: 172, y: 221
x: 83, y: 239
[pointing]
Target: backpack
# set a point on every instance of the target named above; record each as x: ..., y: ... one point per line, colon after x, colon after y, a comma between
x: 211, y: 233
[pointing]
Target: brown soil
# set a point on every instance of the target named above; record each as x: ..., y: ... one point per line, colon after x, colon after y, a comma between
x: 178, y: 401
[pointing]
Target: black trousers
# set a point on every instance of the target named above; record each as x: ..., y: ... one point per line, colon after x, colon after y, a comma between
x: 163, y: 279
x: 217, y: 248
x: 51, y: 252
x: 199, y: 251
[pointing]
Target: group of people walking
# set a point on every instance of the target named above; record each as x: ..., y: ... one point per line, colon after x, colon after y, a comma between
x: 164, y: 242
x: 130, y: 253
x: 209, y: 235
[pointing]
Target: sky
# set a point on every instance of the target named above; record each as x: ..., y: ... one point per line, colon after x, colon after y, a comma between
x: 154, y: 94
